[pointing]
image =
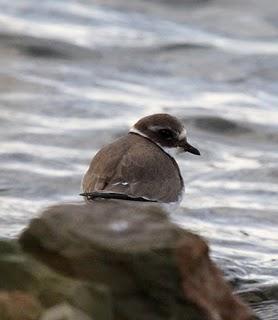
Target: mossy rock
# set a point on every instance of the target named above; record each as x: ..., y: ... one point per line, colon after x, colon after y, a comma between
x: 9, y: 247
x: 15, y: 275
x: 139, y: 264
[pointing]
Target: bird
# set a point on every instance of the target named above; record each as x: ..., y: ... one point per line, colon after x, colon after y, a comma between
x: 141, y: 164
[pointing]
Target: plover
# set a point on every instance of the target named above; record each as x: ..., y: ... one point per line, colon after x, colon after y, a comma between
x: 141, y: 164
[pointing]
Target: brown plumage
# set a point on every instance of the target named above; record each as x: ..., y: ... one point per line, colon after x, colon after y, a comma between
x: 135, y: 166
x: 138, y: 164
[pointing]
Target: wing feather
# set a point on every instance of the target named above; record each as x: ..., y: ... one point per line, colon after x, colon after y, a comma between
x: 137, y: 170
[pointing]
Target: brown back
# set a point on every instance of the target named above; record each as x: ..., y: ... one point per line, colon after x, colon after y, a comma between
x: 135, y: 166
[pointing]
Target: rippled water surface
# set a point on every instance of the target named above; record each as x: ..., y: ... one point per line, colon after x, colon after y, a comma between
x: 75, y: 75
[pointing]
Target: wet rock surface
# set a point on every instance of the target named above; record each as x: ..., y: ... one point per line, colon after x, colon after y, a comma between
x: 138, y: 264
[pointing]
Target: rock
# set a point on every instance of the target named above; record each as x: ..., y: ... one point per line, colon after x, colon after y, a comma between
x: 9, y: 247
x: 146, y: 267
x: 64, y: 312
x: 15, y: 272
x: 21, y: 272
x: 54, y: 290
x: 18, y: 275
x: 93, y: 299
x: 203, y: 283
x: 49, y: 287
x: 18, y: 305
x: 89, y: 298
x: 260, y: 293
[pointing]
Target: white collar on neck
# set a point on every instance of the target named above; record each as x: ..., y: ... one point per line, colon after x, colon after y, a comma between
x: 170, y: 151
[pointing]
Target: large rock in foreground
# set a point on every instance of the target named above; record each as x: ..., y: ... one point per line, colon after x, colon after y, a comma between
x: 139, y: 264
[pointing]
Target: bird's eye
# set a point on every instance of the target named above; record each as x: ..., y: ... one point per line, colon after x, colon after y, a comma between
x: 166, y: 134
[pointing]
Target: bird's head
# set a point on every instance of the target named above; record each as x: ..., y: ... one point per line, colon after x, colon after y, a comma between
x: 166, y: 131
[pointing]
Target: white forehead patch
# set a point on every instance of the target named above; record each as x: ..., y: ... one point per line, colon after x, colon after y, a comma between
x: 183, y: 134
x: 156, y: 128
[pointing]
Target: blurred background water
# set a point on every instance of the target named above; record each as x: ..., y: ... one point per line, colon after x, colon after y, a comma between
x: 75, y: 75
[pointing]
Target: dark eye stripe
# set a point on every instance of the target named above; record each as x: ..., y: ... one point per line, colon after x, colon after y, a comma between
x: 166, y: 133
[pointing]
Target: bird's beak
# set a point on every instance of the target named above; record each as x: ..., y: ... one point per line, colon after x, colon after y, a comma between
x: 188, y: 147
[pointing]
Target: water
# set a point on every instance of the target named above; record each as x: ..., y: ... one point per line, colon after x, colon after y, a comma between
x: 75, y: 75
